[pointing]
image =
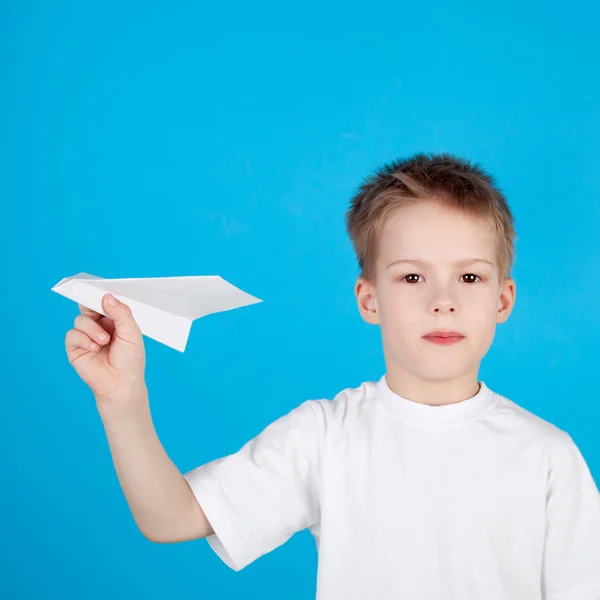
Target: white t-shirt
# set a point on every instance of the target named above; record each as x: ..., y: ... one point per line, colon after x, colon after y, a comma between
x: 478, y: 500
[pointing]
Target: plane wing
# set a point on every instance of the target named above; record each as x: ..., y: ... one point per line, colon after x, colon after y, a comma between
x: 163, y: 307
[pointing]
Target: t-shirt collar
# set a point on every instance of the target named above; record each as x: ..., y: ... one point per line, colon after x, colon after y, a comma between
x: 435, y: 415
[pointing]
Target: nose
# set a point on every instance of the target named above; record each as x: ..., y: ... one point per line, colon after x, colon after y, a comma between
x: 444, y: 306
x: 443, y: 298
x: 444, y: 310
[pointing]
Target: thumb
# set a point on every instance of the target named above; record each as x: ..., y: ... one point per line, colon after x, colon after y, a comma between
x: 125, y: 325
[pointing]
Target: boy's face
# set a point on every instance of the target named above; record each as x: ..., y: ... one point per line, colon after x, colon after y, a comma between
x: 436, y: 294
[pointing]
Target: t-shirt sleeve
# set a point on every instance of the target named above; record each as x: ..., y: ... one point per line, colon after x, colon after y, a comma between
x: 257, y: 498
x: 571, y: 562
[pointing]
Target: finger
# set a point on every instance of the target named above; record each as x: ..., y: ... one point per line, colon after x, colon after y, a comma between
x: 107, y: 324
x: 92, y: 329
x: 89, y: 312
x: 125, y: 325
x: 76, y: 339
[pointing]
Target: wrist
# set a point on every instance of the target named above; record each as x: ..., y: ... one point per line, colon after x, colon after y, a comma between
x: 123, y: 403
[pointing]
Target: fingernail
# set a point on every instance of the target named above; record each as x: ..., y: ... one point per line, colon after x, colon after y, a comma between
x: 93, y: 345
x: 112, y: 300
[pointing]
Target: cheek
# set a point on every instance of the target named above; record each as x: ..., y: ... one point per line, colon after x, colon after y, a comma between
x: 401, y: 326
x: 480, y: 304
x: 482, y: 324
x: 400, y: 310
x: 397, y: 296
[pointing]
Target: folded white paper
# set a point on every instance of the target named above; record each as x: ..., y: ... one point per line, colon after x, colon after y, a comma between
x: 163, y: 307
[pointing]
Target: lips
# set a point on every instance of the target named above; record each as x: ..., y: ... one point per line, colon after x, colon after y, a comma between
x: 441, y: 333
x: 444, y: 338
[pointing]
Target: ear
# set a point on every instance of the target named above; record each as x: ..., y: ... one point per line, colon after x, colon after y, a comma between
x: 506, y: 301
x: 364, y: 291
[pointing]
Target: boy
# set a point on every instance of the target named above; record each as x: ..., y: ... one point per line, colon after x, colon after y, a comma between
x: 422, y: 485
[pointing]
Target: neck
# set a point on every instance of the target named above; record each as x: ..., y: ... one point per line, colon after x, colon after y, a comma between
x: 433, y: 392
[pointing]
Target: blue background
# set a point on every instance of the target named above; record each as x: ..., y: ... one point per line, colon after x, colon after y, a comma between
x: 149, y: 139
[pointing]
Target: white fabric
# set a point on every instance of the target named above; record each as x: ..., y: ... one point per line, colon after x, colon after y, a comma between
x: 476, y: 500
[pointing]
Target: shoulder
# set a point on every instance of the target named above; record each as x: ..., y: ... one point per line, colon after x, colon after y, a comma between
x: 322, y: 413
x: 347, y: 404
x: 518, y: 419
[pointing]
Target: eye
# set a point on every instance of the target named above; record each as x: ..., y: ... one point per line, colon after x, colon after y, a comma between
x: 410, y: 275
x: 470, y: 275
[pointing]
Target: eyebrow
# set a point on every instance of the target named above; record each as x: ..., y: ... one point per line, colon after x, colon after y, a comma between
x: 458, y: 263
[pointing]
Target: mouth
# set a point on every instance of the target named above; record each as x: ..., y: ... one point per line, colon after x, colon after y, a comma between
x: 444, y: 337
x: 443, y: 341
x: 444, y: 333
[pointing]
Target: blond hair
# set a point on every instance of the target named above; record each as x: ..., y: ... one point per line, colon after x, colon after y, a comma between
x: 450, y: 181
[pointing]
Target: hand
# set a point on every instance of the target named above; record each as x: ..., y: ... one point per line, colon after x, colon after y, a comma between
x: 112, y: 367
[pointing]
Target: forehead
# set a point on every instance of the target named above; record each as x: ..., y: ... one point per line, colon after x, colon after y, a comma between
x: 434, y: 233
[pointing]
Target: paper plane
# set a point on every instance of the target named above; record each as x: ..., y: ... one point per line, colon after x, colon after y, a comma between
x: 163, y: 307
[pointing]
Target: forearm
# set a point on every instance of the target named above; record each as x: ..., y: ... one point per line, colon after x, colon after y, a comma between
x: 157, y: 494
